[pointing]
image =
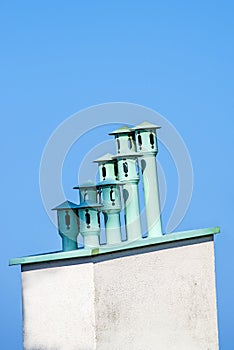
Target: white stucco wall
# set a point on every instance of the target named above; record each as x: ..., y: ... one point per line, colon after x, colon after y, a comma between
x: 160, y: 300
x: 58, y: 307
x: 163, y: 299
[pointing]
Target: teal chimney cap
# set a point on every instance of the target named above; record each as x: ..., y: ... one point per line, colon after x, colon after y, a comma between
x: 88, y: 184
x: 105, y: 158
x: 146, y: 125
x: 123, y: 130
x: 66, y: 205
x: 109, y: 182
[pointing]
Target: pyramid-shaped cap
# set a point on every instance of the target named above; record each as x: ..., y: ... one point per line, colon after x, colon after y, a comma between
x: 146, y: 125
x: 88, y: 184
x: 123, y: 130
x: 106, y: 158
x: 66, y: 205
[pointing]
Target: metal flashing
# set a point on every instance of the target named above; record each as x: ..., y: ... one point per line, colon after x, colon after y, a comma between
x: 85, y: 252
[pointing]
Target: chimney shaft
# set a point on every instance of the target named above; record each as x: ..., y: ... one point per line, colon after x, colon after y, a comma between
x: 111, y: 201
x: 68, y: 227
x: 146, y: 141
x: 128, y: 174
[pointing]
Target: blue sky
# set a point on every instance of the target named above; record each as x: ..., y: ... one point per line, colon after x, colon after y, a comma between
x: 58, y: 57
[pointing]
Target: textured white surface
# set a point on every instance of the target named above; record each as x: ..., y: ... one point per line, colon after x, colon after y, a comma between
x: 162, y: 300
x: 59, y: 308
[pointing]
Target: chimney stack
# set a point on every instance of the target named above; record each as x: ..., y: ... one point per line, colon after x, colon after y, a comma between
x: 107, y: 167
x: 111, y: 200
x: 147, y: 146
x: 68, y: 227
x: 89, y: 214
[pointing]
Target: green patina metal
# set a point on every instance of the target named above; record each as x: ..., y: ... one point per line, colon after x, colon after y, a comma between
x: 87, y: 192
x: 107, y: 167
x: 147, y: 146
x: 89, y: 214
x: 128, y: 173
x: 90, y: 222
x: 143, y: 242
x: 125, y: 139
x: 110, y: 197
x: 68, y: 227
x: 146, y: 139
x: 136, y: 149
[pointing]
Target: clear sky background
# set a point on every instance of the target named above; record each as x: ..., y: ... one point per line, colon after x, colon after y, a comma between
x: 58, y: 57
